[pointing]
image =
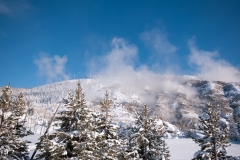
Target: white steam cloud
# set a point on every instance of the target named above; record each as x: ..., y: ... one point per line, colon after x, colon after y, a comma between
x: 53, y: 68
x: 119, y: 70
x: 211, y: 68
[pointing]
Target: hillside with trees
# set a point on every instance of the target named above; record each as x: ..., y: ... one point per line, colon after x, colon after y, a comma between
x: 85, y: 130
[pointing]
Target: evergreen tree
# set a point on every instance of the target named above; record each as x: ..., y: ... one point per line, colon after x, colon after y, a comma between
x: 76, y: 137
x: 233, y: 130
x: 107, y: 139
x: 237, y: 120
x: 238, y: 128
x: 215, y: 140
x: 12, y: 126
x: 146, y: 142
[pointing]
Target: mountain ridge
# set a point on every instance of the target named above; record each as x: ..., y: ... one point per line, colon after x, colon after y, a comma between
x: 178, y: 108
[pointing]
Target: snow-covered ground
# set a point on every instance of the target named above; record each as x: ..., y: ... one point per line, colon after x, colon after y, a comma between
x: 184, y: 148
x: 180, y: 148
x: 33, y: 139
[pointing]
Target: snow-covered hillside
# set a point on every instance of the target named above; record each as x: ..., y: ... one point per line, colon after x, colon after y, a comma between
x: 179, y: 111
x: 176, y: 107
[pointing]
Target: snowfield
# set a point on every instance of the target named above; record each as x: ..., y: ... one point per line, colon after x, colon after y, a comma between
x: 184, y: 148
x: 180, y: 148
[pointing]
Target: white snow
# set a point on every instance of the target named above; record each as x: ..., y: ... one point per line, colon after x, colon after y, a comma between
x: 175, y: 106
x: 233, y: 90
x: 184, y: 148
x: 224, y: 121
x: 170, y: 127
x: 189, y: 114
x: 33, y: 139
x: 209, y: 87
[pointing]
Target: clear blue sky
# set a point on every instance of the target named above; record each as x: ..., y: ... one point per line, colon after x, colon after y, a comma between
x: 44, y: 41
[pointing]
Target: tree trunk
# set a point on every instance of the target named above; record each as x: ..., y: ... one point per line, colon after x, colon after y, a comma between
x: 2, y: 119
x: 145, y: 143
x: 145, y: 151
x: 215, y: 149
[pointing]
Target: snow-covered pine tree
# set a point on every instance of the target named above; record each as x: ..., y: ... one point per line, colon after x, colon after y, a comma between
x: 107, y: 139
x: 12, y: 126
x: 76, y: 136
x: 233, y: 129
x: 159, y: 144
x: 237, y: 120
x: 215, y: 140
x: 146, y: 141
x: 238, y: 128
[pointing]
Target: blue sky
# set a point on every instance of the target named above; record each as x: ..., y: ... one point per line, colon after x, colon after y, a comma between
x: 48, y: 41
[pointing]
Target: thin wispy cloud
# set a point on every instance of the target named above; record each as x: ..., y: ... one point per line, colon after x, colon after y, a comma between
x: 4, y: 9
x: 14, y: 8
x: 158, y: 41
x: 53, y: 68
x: 210, y: 67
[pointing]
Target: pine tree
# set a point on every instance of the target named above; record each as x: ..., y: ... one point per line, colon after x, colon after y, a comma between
x: 237, y: 120
x: 12, y: 126
x: 76, y: 137
x: 107, y: 139
x: 233, y: 130
x: 238, y: 128
x: 215, y: 140
x: 159, y: 144
x: 145, y: 141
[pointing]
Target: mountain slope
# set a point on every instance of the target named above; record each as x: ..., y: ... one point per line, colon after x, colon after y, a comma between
x: 176, y: 107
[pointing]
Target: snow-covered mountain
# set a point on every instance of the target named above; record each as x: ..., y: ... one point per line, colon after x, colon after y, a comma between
x: 177, y: 107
